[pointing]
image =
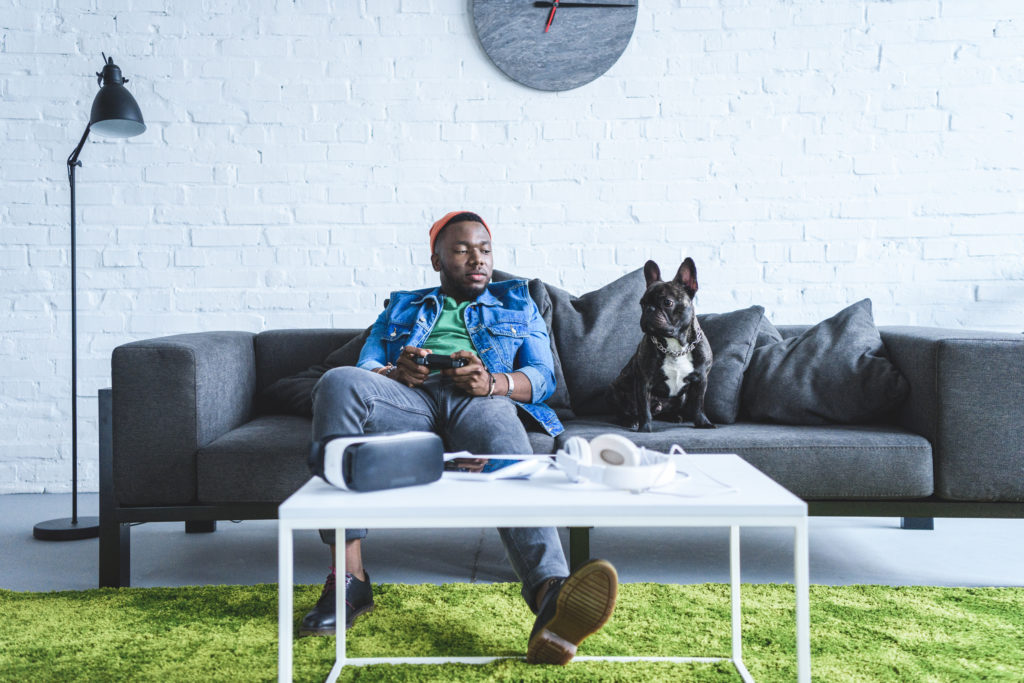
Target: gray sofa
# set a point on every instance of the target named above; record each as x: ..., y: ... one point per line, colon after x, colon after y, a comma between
x: 190, y: 430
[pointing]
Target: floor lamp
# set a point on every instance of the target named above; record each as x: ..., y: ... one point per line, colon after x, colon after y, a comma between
x: 114, y: 114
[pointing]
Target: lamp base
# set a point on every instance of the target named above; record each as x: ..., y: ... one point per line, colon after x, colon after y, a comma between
x: 65, y: 530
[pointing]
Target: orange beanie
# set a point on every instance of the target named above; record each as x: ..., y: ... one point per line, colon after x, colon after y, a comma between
x: 436, y: 228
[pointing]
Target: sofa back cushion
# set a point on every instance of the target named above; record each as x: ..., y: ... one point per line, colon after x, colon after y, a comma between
x: 732, y: 337
x: 280, y: 353
x: 559, y: 400
x: 596, y: 334
x: 289, y: 363
x: 837, y: 371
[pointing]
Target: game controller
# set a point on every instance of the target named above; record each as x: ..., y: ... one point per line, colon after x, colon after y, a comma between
x: 438, y: 361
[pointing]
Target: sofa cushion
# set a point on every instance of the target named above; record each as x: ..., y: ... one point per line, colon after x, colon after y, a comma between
x: 814, y: 462
x: 263, y: 461
x: 732, y: 337
x: 266, y: 460
x: 293, y: 395
x: 280, y: 353
x: 541, y: 442
x: 834, y: 372
x: 766, y: 333
x: 559, y: 400
x: 596, y: 334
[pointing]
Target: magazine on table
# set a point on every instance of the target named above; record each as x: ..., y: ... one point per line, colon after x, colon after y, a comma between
x: 494, y: 466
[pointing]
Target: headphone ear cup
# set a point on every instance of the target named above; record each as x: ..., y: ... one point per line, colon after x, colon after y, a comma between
x: 579, y: 449
x: 615, y: 450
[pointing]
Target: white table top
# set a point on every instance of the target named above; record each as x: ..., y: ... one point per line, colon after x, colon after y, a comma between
x: 550, y: 499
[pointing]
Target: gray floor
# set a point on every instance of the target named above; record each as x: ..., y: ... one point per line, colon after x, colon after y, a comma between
x: 986, y: 552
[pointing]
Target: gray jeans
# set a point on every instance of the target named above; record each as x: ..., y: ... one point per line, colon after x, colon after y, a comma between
x: 350, y: 400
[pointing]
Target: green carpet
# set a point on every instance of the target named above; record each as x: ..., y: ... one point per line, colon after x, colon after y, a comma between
x: 229, y: 633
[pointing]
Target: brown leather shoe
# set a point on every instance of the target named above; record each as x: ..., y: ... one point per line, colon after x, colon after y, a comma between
x: 573, y: 608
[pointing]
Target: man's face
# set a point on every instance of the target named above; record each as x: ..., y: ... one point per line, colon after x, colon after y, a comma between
x: 462, y: 255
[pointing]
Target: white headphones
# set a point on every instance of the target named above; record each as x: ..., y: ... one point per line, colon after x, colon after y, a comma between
x: 615, y: 461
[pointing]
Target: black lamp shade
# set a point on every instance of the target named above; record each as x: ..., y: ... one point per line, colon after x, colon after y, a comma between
x: 114, y: 111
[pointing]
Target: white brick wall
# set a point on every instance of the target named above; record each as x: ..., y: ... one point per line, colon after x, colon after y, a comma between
x: 807, y: 153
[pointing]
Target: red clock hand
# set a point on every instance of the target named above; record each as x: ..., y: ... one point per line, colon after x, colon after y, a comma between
x: 551, y: 15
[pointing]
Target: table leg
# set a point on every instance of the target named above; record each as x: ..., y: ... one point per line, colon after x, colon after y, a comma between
x: 734, y: 592
x: 734, y: 597
x: 339, y: 607
x: 284, y: 602
x: 803, y: 613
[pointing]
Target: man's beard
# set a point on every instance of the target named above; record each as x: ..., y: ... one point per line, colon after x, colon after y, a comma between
x: 460, y: 289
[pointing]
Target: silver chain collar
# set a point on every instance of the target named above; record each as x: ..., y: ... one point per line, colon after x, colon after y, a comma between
x: 684, y: 350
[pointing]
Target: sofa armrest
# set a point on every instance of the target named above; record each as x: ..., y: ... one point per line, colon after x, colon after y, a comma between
x: 966, y: 393
x: 172, y: 396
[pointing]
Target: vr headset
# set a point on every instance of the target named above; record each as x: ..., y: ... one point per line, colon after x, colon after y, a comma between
x: 615, y: 461
x: 373, y: 462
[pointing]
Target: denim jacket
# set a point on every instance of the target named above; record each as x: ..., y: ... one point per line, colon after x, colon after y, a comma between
x: 504, y: 325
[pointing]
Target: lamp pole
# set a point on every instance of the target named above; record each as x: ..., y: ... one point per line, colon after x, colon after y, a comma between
x: 73, y: 163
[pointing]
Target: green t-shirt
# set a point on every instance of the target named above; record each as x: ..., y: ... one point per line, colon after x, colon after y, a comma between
x: 449, y: 334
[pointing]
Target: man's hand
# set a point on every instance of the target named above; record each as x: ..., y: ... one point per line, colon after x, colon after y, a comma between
x: 407, y: 371
x: 473, y: 378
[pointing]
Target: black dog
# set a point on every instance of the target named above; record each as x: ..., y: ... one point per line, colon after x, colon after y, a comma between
x: 668, y: 374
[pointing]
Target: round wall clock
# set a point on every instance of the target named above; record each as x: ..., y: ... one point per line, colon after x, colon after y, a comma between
x: 551, y: 44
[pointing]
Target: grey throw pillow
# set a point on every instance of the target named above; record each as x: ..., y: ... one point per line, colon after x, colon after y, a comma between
x: 596, y: 334
x: 732, y: 337
x: 767, y: 333
x: 835, y: 372
x: 293, y: 395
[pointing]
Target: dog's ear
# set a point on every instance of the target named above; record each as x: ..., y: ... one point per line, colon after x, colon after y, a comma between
x: 687, y: 276
x: 652, y: 273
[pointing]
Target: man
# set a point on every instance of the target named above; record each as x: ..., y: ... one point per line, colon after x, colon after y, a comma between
x: 498, y: 329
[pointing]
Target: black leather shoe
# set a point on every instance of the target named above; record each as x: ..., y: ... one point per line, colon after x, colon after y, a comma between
x: 322, y: 619
x: 573, y: 608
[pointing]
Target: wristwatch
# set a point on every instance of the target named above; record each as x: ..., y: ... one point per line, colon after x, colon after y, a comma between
x: 511, y: 385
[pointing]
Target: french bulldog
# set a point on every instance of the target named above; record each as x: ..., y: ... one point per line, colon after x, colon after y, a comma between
x: 668, y: 374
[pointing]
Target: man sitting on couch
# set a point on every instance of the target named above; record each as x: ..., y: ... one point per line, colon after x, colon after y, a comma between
x: 497, y: 328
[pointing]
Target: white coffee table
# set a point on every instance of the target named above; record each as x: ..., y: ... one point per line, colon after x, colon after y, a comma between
x: 549, y: 499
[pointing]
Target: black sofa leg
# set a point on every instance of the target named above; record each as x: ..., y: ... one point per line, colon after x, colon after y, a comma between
x: 201, y: 526
x: 918, y: 523
x: 115, y: 537
x: 579, y: 546
x: 115, y: 555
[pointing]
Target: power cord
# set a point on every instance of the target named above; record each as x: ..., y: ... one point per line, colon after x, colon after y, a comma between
x: 724, y: 488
